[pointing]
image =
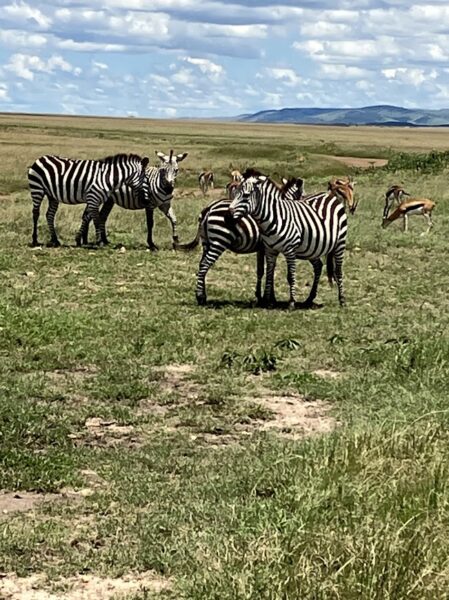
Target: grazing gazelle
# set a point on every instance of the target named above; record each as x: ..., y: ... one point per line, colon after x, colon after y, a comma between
x: 393, y: 194
x: 414, y: 206
x: 206, y: 181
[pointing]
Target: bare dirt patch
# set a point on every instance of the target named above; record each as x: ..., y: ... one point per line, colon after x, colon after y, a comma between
x: 13, y: 502
x: 297, y: 417
x: 175, y: 379
x: 357, y: 161
x: 80, y: 587
x: 23, y: 501
x: 100, y: 432
x: 327, y: 373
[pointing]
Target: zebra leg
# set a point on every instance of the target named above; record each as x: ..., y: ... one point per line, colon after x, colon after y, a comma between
x: 104, y: 215
x: 317, y: 265
x: 82, y: 237
x: 53, y: 206
x: 150, y: 222
x: 339, y: 276
x: 211, y: 253
x: 168, y: 211
x: 37, y: 201
x: 92, y: 212
x: 260, y: 274
x: 291, y: 278
x: 268, y: 297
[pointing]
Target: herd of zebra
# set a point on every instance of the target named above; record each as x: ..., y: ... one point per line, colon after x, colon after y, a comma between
x: 258, y: 215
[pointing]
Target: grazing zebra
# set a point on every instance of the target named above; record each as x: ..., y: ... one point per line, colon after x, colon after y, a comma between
x: 206, y: 181
x: 414, y: 206
x: 314, y: 227
x: 219, y: 233
x: 74, y: 181
x: 157, y: 192
x: 393, y: 194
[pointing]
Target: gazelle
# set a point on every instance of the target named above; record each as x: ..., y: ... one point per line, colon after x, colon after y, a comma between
x: 206, y: 181
x: 414, y: 206
x: 231, y: 187
x: 344, y: 190
x: 393, y: 194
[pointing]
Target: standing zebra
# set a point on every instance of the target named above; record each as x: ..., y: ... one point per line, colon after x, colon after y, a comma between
x: 157, y: 192
x: 314, y: 227
x: 219, y: 233
x: 206, y: 181
x: 74, y: 181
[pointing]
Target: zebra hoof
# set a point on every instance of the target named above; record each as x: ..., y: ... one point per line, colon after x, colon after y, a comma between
x: 54, y: 244
x: 35, y: 244
x: 201, y: 300
x: 291, y: 306
x: 153, y: 247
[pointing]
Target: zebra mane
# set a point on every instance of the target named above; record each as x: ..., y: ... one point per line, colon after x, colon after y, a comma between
x: 119, y: 157
x: 255, y: 173
x: 251, y: 173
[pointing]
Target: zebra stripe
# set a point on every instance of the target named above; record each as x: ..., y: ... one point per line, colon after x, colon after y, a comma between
x: 219, y: 233
x: 156, y: 192
x: 308, y: 230
x: 75, y: 181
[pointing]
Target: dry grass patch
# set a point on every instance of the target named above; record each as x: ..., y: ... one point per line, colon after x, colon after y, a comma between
x: 101, y: 432
x: 80, y: 587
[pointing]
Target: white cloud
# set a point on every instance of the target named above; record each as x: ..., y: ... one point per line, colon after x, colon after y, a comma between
x: 206, y: 66
x: 14, y: 37
x: 23, y: 13
x: 25, y: 65
x: 287, y: 76
x: 411, y: 76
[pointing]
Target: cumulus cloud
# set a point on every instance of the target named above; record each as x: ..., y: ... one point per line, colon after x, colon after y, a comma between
x: 26, y: 65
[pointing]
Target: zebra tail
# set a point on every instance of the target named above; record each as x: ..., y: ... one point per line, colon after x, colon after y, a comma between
x: 330, y: 264
x: 190, y: 245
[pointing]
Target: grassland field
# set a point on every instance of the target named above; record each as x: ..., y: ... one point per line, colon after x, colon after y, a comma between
x: 223, y: 452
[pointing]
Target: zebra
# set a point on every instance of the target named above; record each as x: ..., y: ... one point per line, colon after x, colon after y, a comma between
x: 393, y: 194
x: 206, y: 181
x: 157, y: 192
x: 219, y: 233
x: 314, y: 227
x: 74, y: 181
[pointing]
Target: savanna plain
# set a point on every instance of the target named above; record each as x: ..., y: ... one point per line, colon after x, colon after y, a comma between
x: 227, y: 451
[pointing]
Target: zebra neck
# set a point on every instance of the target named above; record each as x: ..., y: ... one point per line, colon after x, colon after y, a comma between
x: 113, y: 176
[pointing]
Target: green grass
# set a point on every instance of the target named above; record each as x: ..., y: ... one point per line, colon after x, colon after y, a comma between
x: 198, y: 492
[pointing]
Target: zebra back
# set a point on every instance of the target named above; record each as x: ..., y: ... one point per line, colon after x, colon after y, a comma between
x: 69, y: 180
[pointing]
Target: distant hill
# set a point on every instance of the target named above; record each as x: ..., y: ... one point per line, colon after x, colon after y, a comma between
x: 385, y: 115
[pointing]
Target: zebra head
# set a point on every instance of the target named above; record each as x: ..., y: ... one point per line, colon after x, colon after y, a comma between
x: 293, y: 188
x: 169, y: 167
x: 246, y: 196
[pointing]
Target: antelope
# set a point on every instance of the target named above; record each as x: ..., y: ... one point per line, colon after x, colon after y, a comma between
x: 414, y: 206
x: 393, y: 194
x: 206, y: 181
x: 231, y: 187
x: 344, y: 190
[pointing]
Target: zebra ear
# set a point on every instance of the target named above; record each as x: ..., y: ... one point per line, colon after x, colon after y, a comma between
x: 284, y: 181
x: 145, y: 162
x: 160, y: 155
x: 261, y: 178
x: 180, y: 157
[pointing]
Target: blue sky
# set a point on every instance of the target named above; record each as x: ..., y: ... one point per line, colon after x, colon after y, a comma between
x: 195, y: 58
